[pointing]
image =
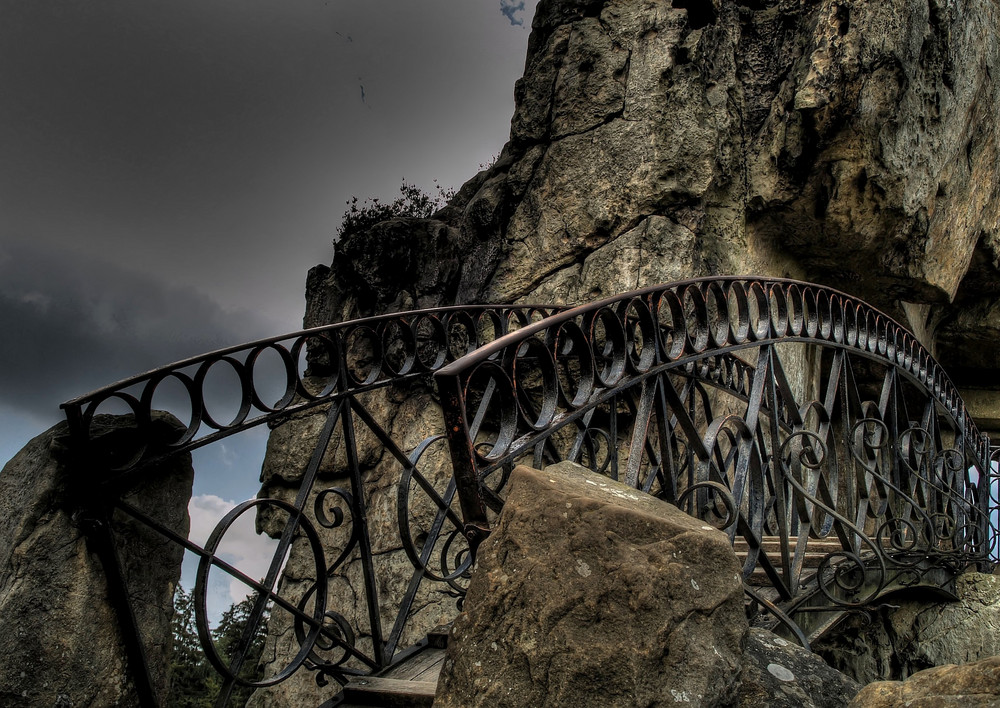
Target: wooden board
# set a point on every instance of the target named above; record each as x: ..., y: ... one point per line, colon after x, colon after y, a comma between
x: 425, y: 666
x: 409, y: 684
x: 381, y: 691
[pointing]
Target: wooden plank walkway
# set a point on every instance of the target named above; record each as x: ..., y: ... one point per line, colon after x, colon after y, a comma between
x: 816, y: 551
x: 410, y: 684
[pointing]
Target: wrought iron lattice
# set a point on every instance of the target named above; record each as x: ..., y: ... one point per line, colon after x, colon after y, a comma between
x: 770, y: 408
x: 685, y: 391
x: 343, y: 368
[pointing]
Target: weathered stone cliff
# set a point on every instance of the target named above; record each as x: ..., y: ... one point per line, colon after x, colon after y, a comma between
x: 840, y: 141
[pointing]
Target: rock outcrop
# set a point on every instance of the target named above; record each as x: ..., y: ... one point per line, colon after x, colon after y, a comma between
x: 633, y: 602
x: 919, y: 633
x: 975, y: 685
x: 61, y: 642
x: 840, y: 141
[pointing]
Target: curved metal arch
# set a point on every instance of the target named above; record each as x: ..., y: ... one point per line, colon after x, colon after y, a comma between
x: 348, y: 357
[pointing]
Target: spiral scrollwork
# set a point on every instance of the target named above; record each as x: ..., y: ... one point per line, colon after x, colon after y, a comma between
x: 843, y: 579
x: 710, y: 512
x: 322, y: 507
x: 334, y: 646
x: 899, y: 536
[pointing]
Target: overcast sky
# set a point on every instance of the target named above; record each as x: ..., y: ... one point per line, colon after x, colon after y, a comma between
x: 171, y: 169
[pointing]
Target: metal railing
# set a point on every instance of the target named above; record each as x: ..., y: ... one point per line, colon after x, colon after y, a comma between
x: 770, y: 408
x: 685, y: 391
x: 340, y: 367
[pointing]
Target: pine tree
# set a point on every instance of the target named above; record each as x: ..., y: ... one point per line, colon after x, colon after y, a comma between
x: 227, y: 636
x: 194, y: 683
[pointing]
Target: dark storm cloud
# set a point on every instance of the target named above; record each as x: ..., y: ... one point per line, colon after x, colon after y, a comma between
x: 73, y: 323
x: 509, y: 9
x: 220, y: 141
x: 211, y: 148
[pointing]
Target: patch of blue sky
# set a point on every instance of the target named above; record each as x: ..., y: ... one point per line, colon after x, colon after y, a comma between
x: 227, y: 472
x: 19, y: 427
x: 509, y: 9
x: 241, y: 546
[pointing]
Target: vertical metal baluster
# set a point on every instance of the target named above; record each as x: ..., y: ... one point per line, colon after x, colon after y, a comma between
x: 96, y: 526
x: 284, y: 544
x: 668, y: 469
x: 364, y: 542
x: 783, y: 502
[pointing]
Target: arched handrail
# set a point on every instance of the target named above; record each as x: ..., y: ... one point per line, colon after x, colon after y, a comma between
x: 399, y: 346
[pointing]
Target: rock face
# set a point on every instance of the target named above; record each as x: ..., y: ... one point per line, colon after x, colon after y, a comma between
x: 779, y: 674
x: 631, y: 602
x: 841, y: 141
x: 975, y: 685
x: 61, y: 643
x: 920, y: 633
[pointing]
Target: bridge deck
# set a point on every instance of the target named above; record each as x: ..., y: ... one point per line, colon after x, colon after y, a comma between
x: 771, y: 545
x: 409, y: 684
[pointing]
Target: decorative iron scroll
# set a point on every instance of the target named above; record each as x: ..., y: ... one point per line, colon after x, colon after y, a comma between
x: 687, y: 391
x: 340, y: 367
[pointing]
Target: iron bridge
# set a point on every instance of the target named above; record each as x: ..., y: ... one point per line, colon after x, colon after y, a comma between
x: 811, y: 428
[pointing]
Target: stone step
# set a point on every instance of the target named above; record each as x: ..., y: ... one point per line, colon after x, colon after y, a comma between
x: 816, y: 551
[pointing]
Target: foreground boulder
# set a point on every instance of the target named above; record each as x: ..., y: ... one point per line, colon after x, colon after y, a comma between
x: 589, y: 593
x: 780, y: 674
x: 61, y: 641
x: 975, y: 685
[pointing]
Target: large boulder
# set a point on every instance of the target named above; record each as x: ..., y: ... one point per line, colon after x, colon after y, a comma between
x: 975, y: 685
x: 589, y: 593
x: 62, y: 643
